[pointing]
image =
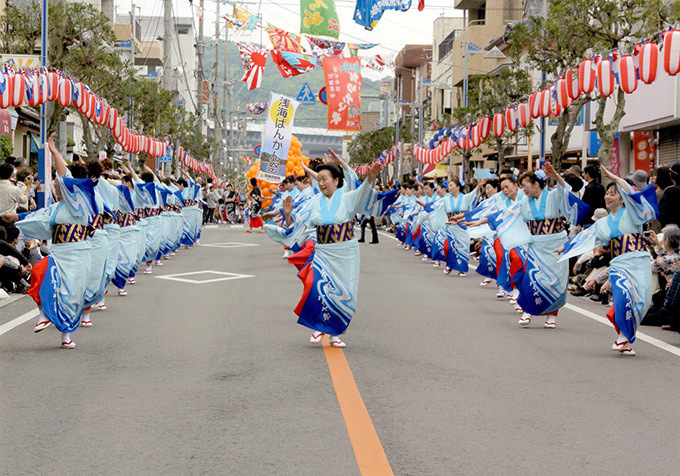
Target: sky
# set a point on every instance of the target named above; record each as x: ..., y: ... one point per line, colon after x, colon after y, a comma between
x: 394, y: 30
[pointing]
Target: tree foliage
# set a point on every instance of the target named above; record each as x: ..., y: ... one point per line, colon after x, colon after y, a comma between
x: 367, y: 146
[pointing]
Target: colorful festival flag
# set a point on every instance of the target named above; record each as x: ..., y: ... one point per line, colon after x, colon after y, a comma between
x: 283, y: 40
x: 322, y: 47
x: 343, y: 87
x: 254, y: 60
x: 276, y: 139
x: 369, y: 12
x: 318, y: 17
x: 249, y: 20
x: 293, y: 64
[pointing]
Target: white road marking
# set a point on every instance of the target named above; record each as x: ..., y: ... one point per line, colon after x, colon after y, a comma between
x: 638, y: 335
x: 226, y: 277
x: 229, y: 244
x: 18, y: 321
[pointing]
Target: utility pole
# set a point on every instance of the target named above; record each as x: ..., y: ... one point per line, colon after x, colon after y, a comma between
x: 132, y: 59
x: 216, y: 90
x: 226, y: 96
x: 199, y: 72
x: 167, y: 43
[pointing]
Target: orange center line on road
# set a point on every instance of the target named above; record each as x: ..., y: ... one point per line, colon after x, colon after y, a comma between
x: 368, y: 450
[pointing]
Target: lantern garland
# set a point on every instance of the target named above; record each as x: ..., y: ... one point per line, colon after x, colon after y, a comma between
x: 600, y: 75
x: 34, y: 87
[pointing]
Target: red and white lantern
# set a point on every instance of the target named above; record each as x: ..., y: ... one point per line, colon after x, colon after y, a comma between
x: 65, y: 92
x: 18, y: 86
x: 32, y: 90
x: 562, y: 90
x: 648, y: 62
x: 572, y: 84
x: 586, y: 77
x: 524, y: 114
x: 671, y: 52
x: 53, y: 85
x: 5, y: 91
x: 545, y: 99
x: 511, y: 118
x: 113, y: 118
x: 535, y: 105
x: 605, y: 78
x: 627, y: 74
x: 484, y: 128
x: 498, y: 124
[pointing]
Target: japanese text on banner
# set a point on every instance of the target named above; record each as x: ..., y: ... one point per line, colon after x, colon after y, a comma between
x: 343, y: 87
x: 276, y: 140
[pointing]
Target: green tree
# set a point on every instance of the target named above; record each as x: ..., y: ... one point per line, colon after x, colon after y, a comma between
x: 367, y: 146
x: 6, y: 148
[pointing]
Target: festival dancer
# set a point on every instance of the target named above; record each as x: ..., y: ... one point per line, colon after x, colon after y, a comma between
x: 131, y: 237
x: 327, y: 309
x: 537, y: 222
x: 59, y: 281
x: 434, y: 220
x: 630, y: 272
x: 255, y: 207
x: 456, y: 241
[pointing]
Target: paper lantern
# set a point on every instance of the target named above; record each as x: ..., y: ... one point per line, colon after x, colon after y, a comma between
x: 510, y: 118
x: 5, y: 91
x: 79, y: 96
x: 484, y: 128
x: 113, y: 118
x: 572, y: 84
x: 648, y: 62
x: 524, y: 114
x: 52, y: 85
x: 545, y: 103
x: 535, y: 105
x: 586, y: 77
x: 18, y: 89
x: 498, y: 124
x: 627, y: 74
x: 562, y: 92
x: 65, y: 92
x: 32, y: 90
x: 671, y: 52
x: 91, y: 106
x: 605, y: 78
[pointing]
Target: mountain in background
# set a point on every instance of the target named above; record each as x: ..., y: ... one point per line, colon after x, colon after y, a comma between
x: 306, y: 116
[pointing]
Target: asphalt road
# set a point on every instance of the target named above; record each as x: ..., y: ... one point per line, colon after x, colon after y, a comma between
x: 215, y: 377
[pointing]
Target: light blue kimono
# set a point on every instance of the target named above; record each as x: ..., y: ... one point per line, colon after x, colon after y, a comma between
x: 543, y: 287
x: 66, y: 277
x: 109, y: 193
x: 98, y: 253
x: 456, y: 238
x: 630, y: 273
x: 131, y: 241
x: 331, y: 278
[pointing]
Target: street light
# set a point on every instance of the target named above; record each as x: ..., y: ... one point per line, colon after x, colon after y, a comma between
x: 493, y: 53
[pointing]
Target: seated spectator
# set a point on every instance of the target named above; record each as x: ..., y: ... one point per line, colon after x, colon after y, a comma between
x: 666, y: 264
x: 10, y: 195
x: 15, y: 272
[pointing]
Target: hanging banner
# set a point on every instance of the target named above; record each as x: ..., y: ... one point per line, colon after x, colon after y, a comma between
x: 276, y: 140
x: 369, y: 12
x: 318, y: 17
x: 343, y: 88
x: 254, y: 60
x: 645, y: 152
x: 283, y: 40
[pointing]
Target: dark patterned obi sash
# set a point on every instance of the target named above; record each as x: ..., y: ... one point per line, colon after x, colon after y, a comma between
x: 549, y: 226
x: 628, y: 243
x: 97, y: 221
x: 328, y: 234
x: 147, y: 213
x: 190, y: 203
x: 125, y: 219
x: 71, y: 233
x: 173, y: 208
x: 109, y: 219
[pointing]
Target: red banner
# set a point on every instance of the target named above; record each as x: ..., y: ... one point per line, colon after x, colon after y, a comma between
x: 645, y: 152
x: 343, y: 87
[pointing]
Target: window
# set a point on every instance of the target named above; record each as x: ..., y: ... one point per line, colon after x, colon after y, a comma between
x: 446, y: 46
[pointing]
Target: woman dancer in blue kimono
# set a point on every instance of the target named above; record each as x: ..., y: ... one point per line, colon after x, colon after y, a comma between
x: 630, y: 271
x: 129, y: 251
x: 331, y: 277
x: 537, y: 221
x: 434, y: 218
x: 456, y: 243
x: 59, y: 281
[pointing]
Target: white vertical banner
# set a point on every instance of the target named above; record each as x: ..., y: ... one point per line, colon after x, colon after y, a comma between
x: 276, y: 138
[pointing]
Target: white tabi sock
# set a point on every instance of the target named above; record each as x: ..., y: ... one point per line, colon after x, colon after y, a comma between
x: 42, y: 317
x: 65, y: 337
x: 86, y: 316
